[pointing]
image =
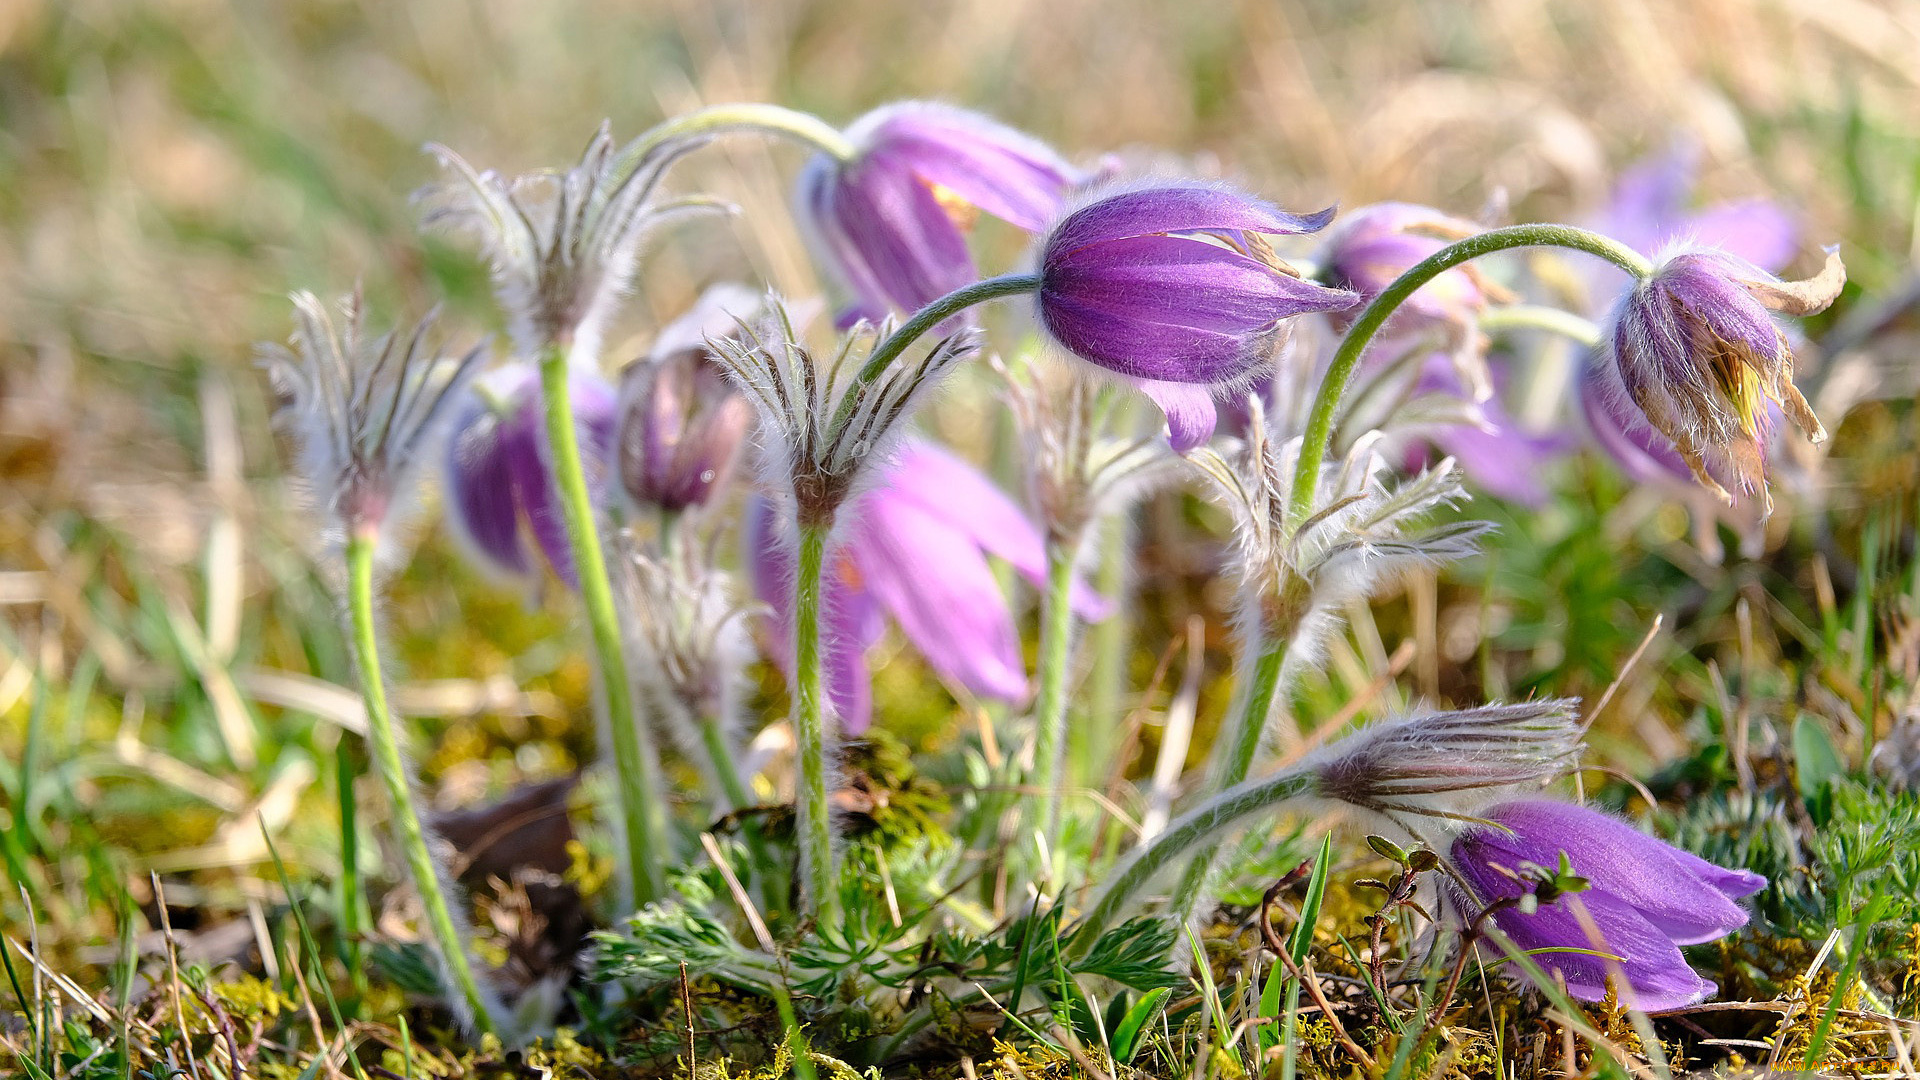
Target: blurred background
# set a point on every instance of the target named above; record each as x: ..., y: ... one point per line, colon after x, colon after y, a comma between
x: 170, y: 170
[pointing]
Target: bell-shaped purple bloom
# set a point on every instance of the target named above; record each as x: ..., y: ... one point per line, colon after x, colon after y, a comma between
x: 1697, y: 351
x: 892, y: 220
x: 499, y: 488
x: 915, y: 548
x: 1644, y: 900
x: 1173, y: 286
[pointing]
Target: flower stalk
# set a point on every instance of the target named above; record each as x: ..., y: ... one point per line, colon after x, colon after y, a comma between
x: 819, y: 881
x: 642, y: 807
x: 1050, y: 707
x: 446, y: 928
x: 1340, y: 372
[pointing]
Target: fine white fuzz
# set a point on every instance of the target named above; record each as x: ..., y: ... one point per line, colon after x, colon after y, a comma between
x: 1364, y: 532
x: 363, y: 412
x: 1429, y: 772
x: 825, y: 432
x: 691, y: 639
x: 1080, y: 469
x: 562, y: 243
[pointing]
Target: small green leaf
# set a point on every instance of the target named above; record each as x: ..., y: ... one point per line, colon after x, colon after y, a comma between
x: 1126, y: 1034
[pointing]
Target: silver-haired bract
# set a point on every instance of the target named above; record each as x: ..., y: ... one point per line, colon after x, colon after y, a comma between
x: 562, y: 244
x: 362, y: 409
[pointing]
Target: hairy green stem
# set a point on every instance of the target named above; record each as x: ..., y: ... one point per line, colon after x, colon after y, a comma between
x: 1333, y: 386
x: 1050, y: 707
x: 804, y: 128
x: 643, y: 812
x: 1238, y: 749
x: 819, y: 881
x: 1201, y: 823
x: 448, y: 939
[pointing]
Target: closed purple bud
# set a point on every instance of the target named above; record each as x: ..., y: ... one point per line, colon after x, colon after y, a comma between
x: 891, y: 221
x: 1644, y: 900
x: 1697, y: 351
x: 499, y: 487
x: 682, y: 426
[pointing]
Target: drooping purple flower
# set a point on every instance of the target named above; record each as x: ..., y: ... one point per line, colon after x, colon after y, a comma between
x: 1644, y: 900
x: 499, y: 489
x: 1697, y: 351
x: 682, y: 423
x: 891, y: 221
x: 1174, y: 287
x: 1651, y: 207
x: 916, y: 549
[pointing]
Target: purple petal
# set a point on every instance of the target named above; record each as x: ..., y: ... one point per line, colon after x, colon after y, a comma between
x: 1166, y: 208
x: 907, y: 241
x: 1004, y: 172
x: 1642, y: 453
x: 1657, y: 976
x: 963, y: 497
x: 1619, y: 860
x: 937, y: 585
x: 1190, y: 411
x: 1172, y: 309
x: 481, y: 507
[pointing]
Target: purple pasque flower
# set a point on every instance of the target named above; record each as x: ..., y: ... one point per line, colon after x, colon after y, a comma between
x: 1644, y: 899
x: 499, y: 487
x: 1651, y: 207
x: 915, y: 547
x: 682, y: 424
x: 891, y: 221
x: 1173, y: 286
x: 1697, y: 351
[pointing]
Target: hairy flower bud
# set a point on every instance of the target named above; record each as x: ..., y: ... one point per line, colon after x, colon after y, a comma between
x: 682, y: 426
x: 361, y: 408
x: 1444, y: 765
x: 1699, y: 354
x: 1174, y: 287
x: 892, y: 220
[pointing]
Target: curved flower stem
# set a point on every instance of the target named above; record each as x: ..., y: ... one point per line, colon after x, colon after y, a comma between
x: 1242, y: 745
x: 1201, y: 823
x: 1333, y: 386
x: 1050, y: 707
x: 801, y: 127
x: 940, y: 311
x: 447, y: 930
x: 819, y: 882
x: 643, y: 813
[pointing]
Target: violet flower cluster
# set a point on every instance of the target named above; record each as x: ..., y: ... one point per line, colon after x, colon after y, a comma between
x: 1344, y: 344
